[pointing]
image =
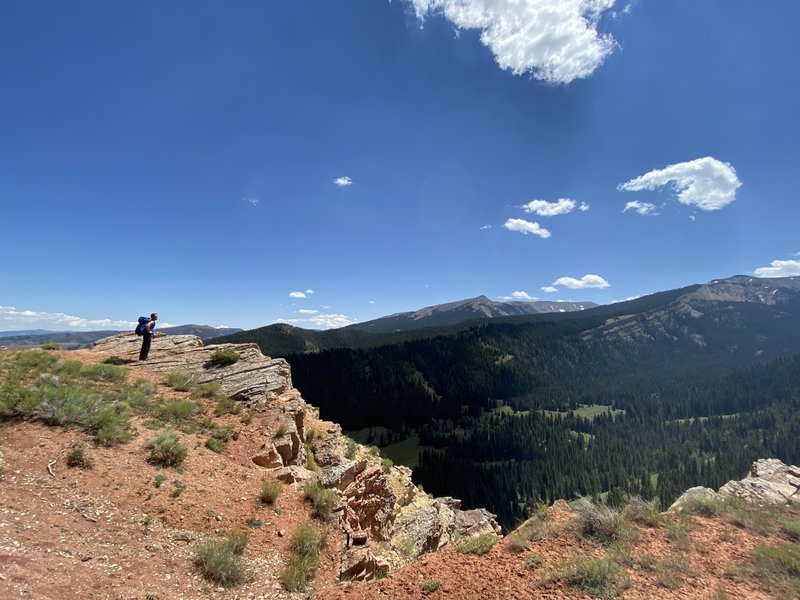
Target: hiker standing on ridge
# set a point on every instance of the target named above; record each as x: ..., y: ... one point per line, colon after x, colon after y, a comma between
x: 147, y: 336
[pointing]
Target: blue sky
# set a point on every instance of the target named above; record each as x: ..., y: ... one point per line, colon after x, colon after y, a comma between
x: 325, y: 162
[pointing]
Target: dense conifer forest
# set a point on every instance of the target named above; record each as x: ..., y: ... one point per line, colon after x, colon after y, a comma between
x: 684, y: 393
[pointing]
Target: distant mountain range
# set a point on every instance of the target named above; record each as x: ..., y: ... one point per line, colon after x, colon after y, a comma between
x: 465, y: 310
x: 71, y: 340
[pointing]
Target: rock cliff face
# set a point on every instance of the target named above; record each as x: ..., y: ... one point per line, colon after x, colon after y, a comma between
x: 769, y: 482
x: 385, y: 520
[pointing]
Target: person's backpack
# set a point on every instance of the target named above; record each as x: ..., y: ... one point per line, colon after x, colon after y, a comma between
x: 142, y: 326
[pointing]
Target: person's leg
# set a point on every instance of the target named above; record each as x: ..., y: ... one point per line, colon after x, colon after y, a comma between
x: 145, y: 346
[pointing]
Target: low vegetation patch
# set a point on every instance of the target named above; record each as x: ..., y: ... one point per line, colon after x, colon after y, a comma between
x: 220, y: 560
x: 600, y: 523
x: 306, y: 543
x: 270, y: 490
x: 166, y: 449
x: 50, y: 346
x: 215, y: 445
x: 323, y: 500
x: 599, y: 577
x: 431, y: 585
x: 671, y: 571
x: 222, y: 357
x: 790, y: 527
x: 77, y: 456
x: 644, y: 512
x: 180, y: 381
x: 478, y: 545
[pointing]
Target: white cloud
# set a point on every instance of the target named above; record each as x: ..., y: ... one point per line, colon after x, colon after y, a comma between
x: 779, y: 268
x: 543, y: 208
x: 309, y: 291
x: 554, y: 40
x: 587, y: 281
x: 486, y: 227
x: 307, y: 311
x: 526, y: 227
x: 645, y: 209
x: 372, y: 301
x: 583, y: 207
x: 253, y: 201
x: 343, y: 181
x: 518, y: 296
x: 705, y: 182
x: 297, y: 294
x: 13, y: 319
x: 549, y: 289
x: 796, y: 254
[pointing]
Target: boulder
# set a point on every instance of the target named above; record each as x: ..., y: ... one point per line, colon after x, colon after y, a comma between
x: 329, y: 448
x: 293, y: 474
x: 269, y: 459
x: 418, y: 531
x: 692, y: 495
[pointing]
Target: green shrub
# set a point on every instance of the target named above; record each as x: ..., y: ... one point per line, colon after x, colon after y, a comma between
x: 222, y: 357
x: 311, y: 463
x: 281, y: 430
x: 224, y: 434
x: 748, y: 517
x: 386, y: 464
x: 111, y: 424
x: 703, y: 505
x: 644, y: 512
x: 270, y: 490
x: 678, y: 534
x: 158, y: 480
x: 781, y: 560
x: 227, y: 406
x: 68, y: 368
x: 352, y: 447
x: 221, y: 561
x: 118, y: 361
x: 670, y: 571
x: 77, y: 457
x: 166, y: 449
x: 307, y: 540
x: 431, y: 585
x: 139, y: 395
x: 206, y: 390
x: 177, y: 411
x: 298, y: 572
x: 215, y: 445
x: 322, y: 499
x: 790, y: 527
x: 534, y: 560
x: 50, y: 346
x: 478, y: 545
x: 599, y: 577
x: 237, y: 541
x: 179, y: 380
x: 101, y: 372
x: 599, y: 522
x: 34, y: 360
x: 517, y: 543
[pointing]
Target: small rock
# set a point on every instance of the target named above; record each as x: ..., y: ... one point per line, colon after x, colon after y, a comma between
x: 281, y: 532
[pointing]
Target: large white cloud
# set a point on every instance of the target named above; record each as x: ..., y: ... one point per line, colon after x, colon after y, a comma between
x: 323, y: 321
x: 779, y: 268
x: 706, y: 182
x: 646, y: 209
x: 554, y: 40
x: 12, y: 319
x: 543, y: 208
x: 526, y: 227
x: 587, y: 281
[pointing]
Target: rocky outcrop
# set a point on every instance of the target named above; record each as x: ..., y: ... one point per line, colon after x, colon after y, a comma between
x: 254, y: 379
x: 370, y: 503
x: 769, y: 482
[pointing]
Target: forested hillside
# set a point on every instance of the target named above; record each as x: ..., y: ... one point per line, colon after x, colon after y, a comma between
x: 649, y: 397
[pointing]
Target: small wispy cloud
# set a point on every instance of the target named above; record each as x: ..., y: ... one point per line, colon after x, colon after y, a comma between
x: 779, y: 268
x: 549, y: 289
x: 372, y: 301
x: 307, y: 311
x: 646, y: 209
x: 543, y: 208
x: 343, y: 181
x: 297, y: 294
x: 584, y: 206
x: 486, y: 227
x: 526, y: 227
x: 253, y: 201
x: 706, y: 183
